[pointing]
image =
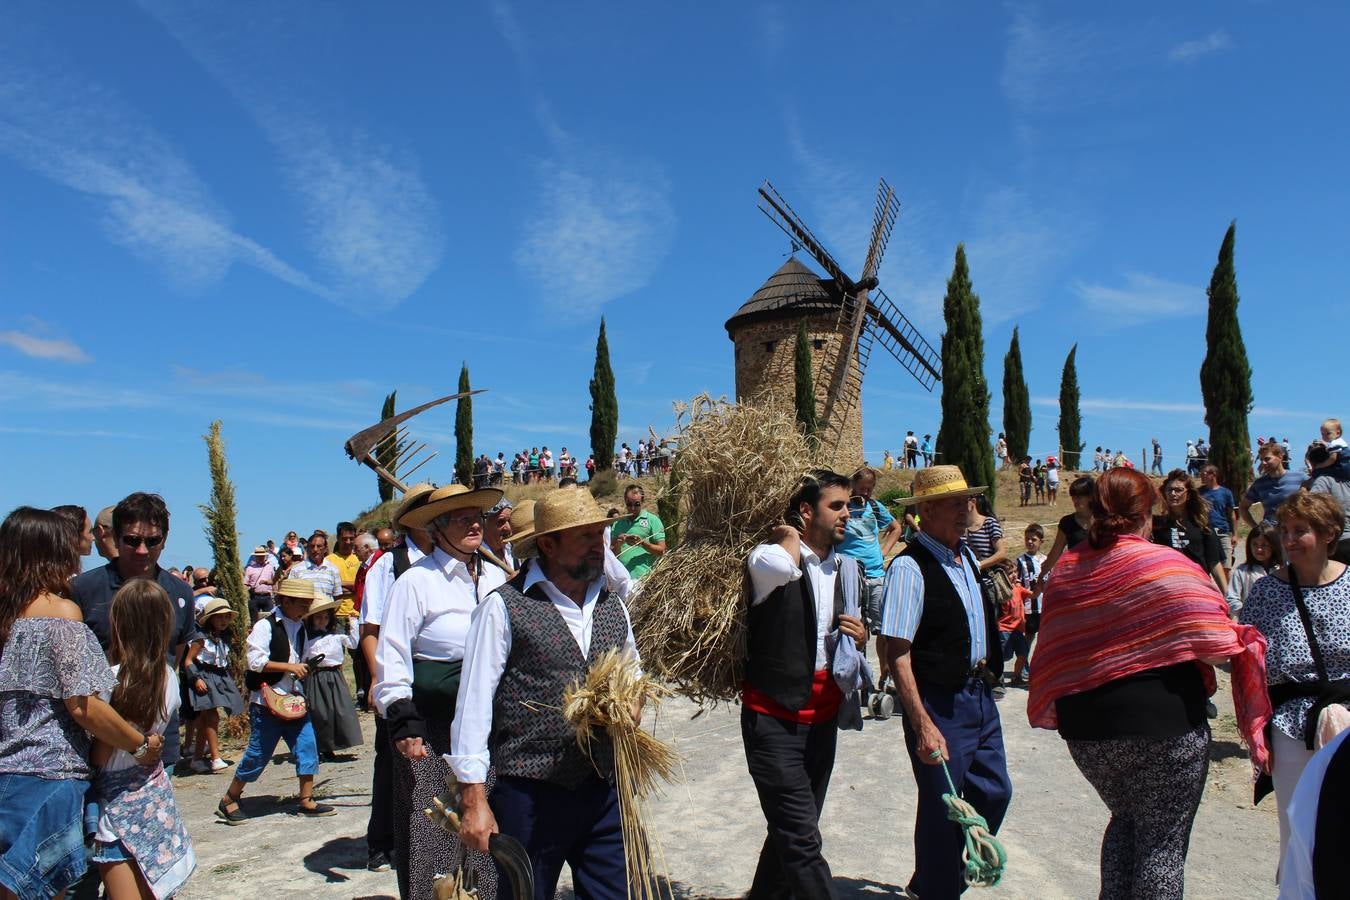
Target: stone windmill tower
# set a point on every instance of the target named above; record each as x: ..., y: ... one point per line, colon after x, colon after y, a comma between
x: 845, y: 320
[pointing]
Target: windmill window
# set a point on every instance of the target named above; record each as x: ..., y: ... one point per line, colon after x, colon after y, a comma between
x: 818, y: 344
x: 768, y: 346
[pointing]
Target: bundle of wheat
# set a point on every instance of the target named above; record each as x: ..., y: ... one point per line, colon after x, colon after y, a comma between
x: 737, y: 466
x: 608, y: 702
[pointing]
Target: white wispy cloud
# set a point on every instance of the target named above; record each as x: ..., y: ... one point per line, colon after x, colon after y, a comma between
x: 1015, y: 246
x: 39, y: 347
x: 1108, y: 404
x: 1044, y: 62
x: 1142, y: 298
x: 23, y: 394
x: 83, y: 136
x: 78, y: 433
x: 370, y: 219
x: 1189, y: 51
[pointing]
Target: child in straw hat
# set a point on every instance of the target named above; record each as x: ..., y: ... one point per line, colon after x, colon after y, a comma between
x: 210, y: 686
x: 331, y: 708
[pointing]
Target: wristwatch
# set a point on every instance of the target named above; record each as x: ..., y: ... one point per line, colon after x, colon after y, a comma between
x: 143, y: 749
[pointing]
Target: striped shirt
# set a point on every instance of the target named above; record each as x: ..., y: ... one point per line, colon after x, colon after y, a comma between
x: 325, y: 576
x: 904, y: 590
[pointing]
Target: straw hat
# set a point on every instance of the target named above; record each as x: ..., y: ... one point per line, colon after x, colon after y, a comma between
x: 297, y: 589
x: 413, y: 497
x: 326, y: 605
x: 567, y: 508
x: 522, y: 529
x: 260, y: 550
x: 939, y: 483
x: 214, y: 608
x: 447, y: 499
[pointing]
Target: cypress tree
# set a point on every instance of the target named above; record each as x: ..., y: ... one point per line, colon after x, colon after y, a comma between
x: 604, y: 406
x: 1070, y: 419
x: 464, y: 431
x: 1225, y: 376
x: 963, y: 437
x: 805, y: 397
x: 1016, y: 401
x: 223, y: 535
x: 387, y: 453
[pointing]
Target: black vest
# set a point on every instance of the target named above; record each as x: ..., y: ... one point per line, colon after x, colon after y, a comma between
x: 782, y: 642
x: 279, y: 650
x: 940, y: 651
x: 401, y: 560
x: 530, y: 738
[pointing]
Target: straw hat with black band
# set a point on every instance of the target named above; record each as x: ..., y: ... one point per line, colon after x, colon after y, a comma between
x: 565, y: 509
x: 296, y: 589
x: 414, y: 497
x: 324, y: 605
x: 215, y: 607
x: 938, y: 483
x: 448, y: 499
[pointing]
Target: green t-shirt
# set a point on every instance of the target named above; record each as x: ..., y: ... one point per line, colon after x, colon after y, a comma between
x: 636, y: 559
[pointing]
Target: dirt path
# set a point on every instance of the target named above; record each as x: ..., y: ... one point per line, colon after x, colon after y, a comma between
x: 711, y: 827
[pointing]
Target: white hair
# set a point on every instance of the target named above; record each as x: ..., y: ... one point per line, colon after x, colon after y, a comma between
x: 367, y: 540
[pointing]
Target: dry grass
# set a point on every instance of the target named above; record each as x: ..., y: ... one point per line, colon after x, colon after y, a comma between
x: 737, y: 466
x: 607, y: 702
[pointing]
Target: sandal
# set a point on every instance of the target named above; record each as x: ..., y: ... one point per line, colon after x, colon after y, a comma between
x: 315, y: 810
x: 230, y: 818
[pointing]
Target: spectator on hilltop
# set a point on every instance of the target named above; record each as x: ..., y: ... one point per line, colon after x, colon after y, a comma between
x: 1001, y: 452
x: 926, y: 448
x: 1026, y: 481
x: 1051, y: 479
x: 1157, y: 458
x: 911, y: 450
x: 590, y: 466
x: 887, y: 461
x: 1098, y: 460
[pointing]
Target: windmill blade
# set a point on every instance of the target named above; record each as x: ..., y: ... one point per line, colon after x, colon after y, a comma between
x: 776, y: 208
x: 894, y: 331
x: 883, y: 221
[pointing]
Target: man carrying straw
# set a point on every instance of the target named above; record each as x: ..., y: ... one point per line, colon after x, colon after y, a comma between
x: 802, y: 678
x: 942, y: 649
x: 529, y: 641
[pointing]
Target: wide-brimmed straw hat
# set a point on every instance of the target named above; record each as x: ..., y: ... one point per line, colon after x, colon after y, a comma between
x: 939, y: 483
x: 522, y: 529
x: 447, y: 499
x: 414, y: 497
x: 298, y: 589
x: 260, y: 550
x: 324, y: 605
x: 214, y: 608
x: 567, y: 508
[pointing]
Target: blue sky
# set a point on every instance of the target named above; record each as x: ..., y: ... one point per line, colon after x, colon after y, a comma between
x: 274, y: 214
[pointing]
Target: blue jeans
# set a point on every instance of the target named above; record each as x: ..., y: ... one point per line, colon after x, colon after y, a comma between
x: 265, y: 730
x: 42, y: 833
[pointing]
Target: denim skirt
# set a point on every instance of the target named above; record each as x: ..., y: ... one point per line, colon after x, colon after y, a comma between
x: 41, y: 834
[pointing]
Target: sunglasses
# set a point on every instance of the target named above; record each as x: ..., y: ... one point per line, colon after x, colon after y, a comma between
x: 151, y: 541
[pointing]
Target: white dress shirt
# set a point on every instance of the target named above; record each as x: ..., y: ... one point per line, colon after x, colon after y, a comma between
x: 260, y: 653
x: 489, y: 646
x: 1296, y: 869
x: 427, y: 617
x: 771, y: 567
x: 379, y: 582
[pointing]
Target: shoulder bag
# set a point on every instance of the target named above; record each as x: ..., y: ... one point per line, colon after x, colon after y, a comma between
x: 1329, y: 716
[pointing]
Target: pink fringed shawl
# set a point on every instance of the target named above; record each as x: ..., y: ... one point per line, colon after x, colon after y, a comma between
x: 1133, y: 606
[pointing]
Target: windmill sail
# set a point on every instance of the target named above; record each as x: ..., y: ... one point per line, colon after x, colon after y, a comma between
x: 891, y: 329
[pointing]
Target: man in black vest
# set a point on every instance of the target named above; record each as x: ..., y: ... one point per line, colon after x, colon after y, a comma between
x: 790, y: 702
x: 942, y: 650
x: 528, y: 641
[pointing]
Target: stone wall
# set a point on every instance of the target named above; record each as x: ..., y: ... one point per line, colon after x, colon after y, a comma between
x: 765, y: 354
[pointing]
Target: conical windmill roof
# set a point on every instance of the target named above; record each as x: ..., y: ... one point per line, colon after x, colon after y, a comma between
x: 793, y: 291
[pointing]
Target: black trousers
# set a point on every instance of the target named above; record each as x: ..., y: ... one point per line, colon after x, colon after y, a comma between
x: 361, y: 674
x: 380, y: 828
x: 791, y: 766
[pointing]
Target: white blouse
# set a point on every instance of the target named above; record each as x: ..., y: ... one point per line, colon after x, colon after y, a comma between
x: 333, y: 645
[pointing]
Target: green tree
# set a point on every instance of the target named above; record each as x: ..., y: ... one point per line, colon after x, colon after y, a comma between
x: 963, y: 437
x: 1016, y: 401
x: 1225, y: 376
x: 1070, y: 419
x: 604, y: 406
x: 388, y: 452
x: 464, y: 431
x: 223, y: 536
x: 805, y: 397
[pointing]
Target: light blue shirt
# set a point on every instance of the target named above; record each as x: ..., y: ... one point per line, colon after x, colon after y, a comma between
x: 903, y: 601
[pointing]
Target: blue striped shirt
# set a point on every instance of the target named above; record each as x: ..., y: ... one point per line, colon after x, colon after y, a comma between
x: 903, y: 601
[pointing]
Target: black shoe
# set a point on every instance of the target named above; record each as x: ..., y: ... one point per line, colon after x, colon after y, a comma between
x: 1000, y: 692
x: 378, y: 861
x: 230, y: 818
x: 316, y: 810
x: 1211, y: 711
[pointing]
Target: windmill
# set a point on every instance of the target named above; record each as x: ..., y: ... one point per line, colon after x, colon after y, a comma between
x: 846, y: 318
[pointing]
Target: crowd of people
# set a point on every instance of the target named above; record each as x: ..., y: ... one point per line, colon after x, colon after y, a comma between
x: 537, y: 465
x: 467, y: 617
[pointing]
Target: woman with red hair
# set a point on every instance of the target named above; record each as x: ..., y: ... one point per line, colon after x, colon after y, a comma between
x: 1130, y: 632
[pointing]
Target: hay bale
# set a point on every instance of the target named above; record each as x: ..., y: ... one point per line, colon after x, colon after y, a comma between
x: 737, y: 466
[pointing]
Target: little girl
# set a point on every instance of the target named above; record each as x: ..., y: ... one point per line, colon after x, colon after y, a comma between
x: 1265, y: 554
x: 331, y: 708
x: 211, y: 688
x: 141, y: 847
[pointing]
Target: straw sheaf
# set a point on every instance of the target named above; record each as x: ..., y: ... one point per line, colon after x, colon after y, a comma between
x: 738, y: 465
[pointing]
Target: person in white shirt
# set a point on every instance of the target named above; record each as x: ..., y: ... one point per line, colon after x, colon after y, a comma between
x: 418, y: 659
x: 414, y: 543
x: 528, y: 641
x: 1319, y: 826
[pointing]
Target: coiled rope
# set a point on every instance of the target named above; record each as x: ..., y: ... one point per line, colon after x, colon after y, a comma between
x: 984, y: 857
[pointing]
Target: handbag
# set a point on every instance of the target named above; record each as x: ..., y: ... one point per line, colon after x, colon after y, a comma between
x: 287, y: 707
x: 1328, y: 716
x: 999, y: 586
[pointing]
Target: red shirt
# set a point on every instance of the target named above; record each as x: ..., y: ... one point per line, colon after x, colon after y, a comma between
x: 359, y: 585
x: 821, y: 706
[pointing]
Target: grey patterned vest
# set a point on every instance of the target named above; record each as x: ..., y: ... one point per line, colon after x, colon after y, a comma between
x: 534, y: 741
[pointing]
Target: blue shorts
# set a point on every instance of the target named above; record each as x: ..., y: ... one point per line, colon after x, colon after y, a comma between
x: 265, y: 730
x: 41, y: 831
x: 115, y: 852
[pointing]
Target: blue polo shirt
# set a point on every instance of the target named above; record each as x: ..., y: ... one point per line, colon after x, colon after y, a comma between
x: 1221, y: 503
x: 93, y: 592
x: 1270, y: 492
